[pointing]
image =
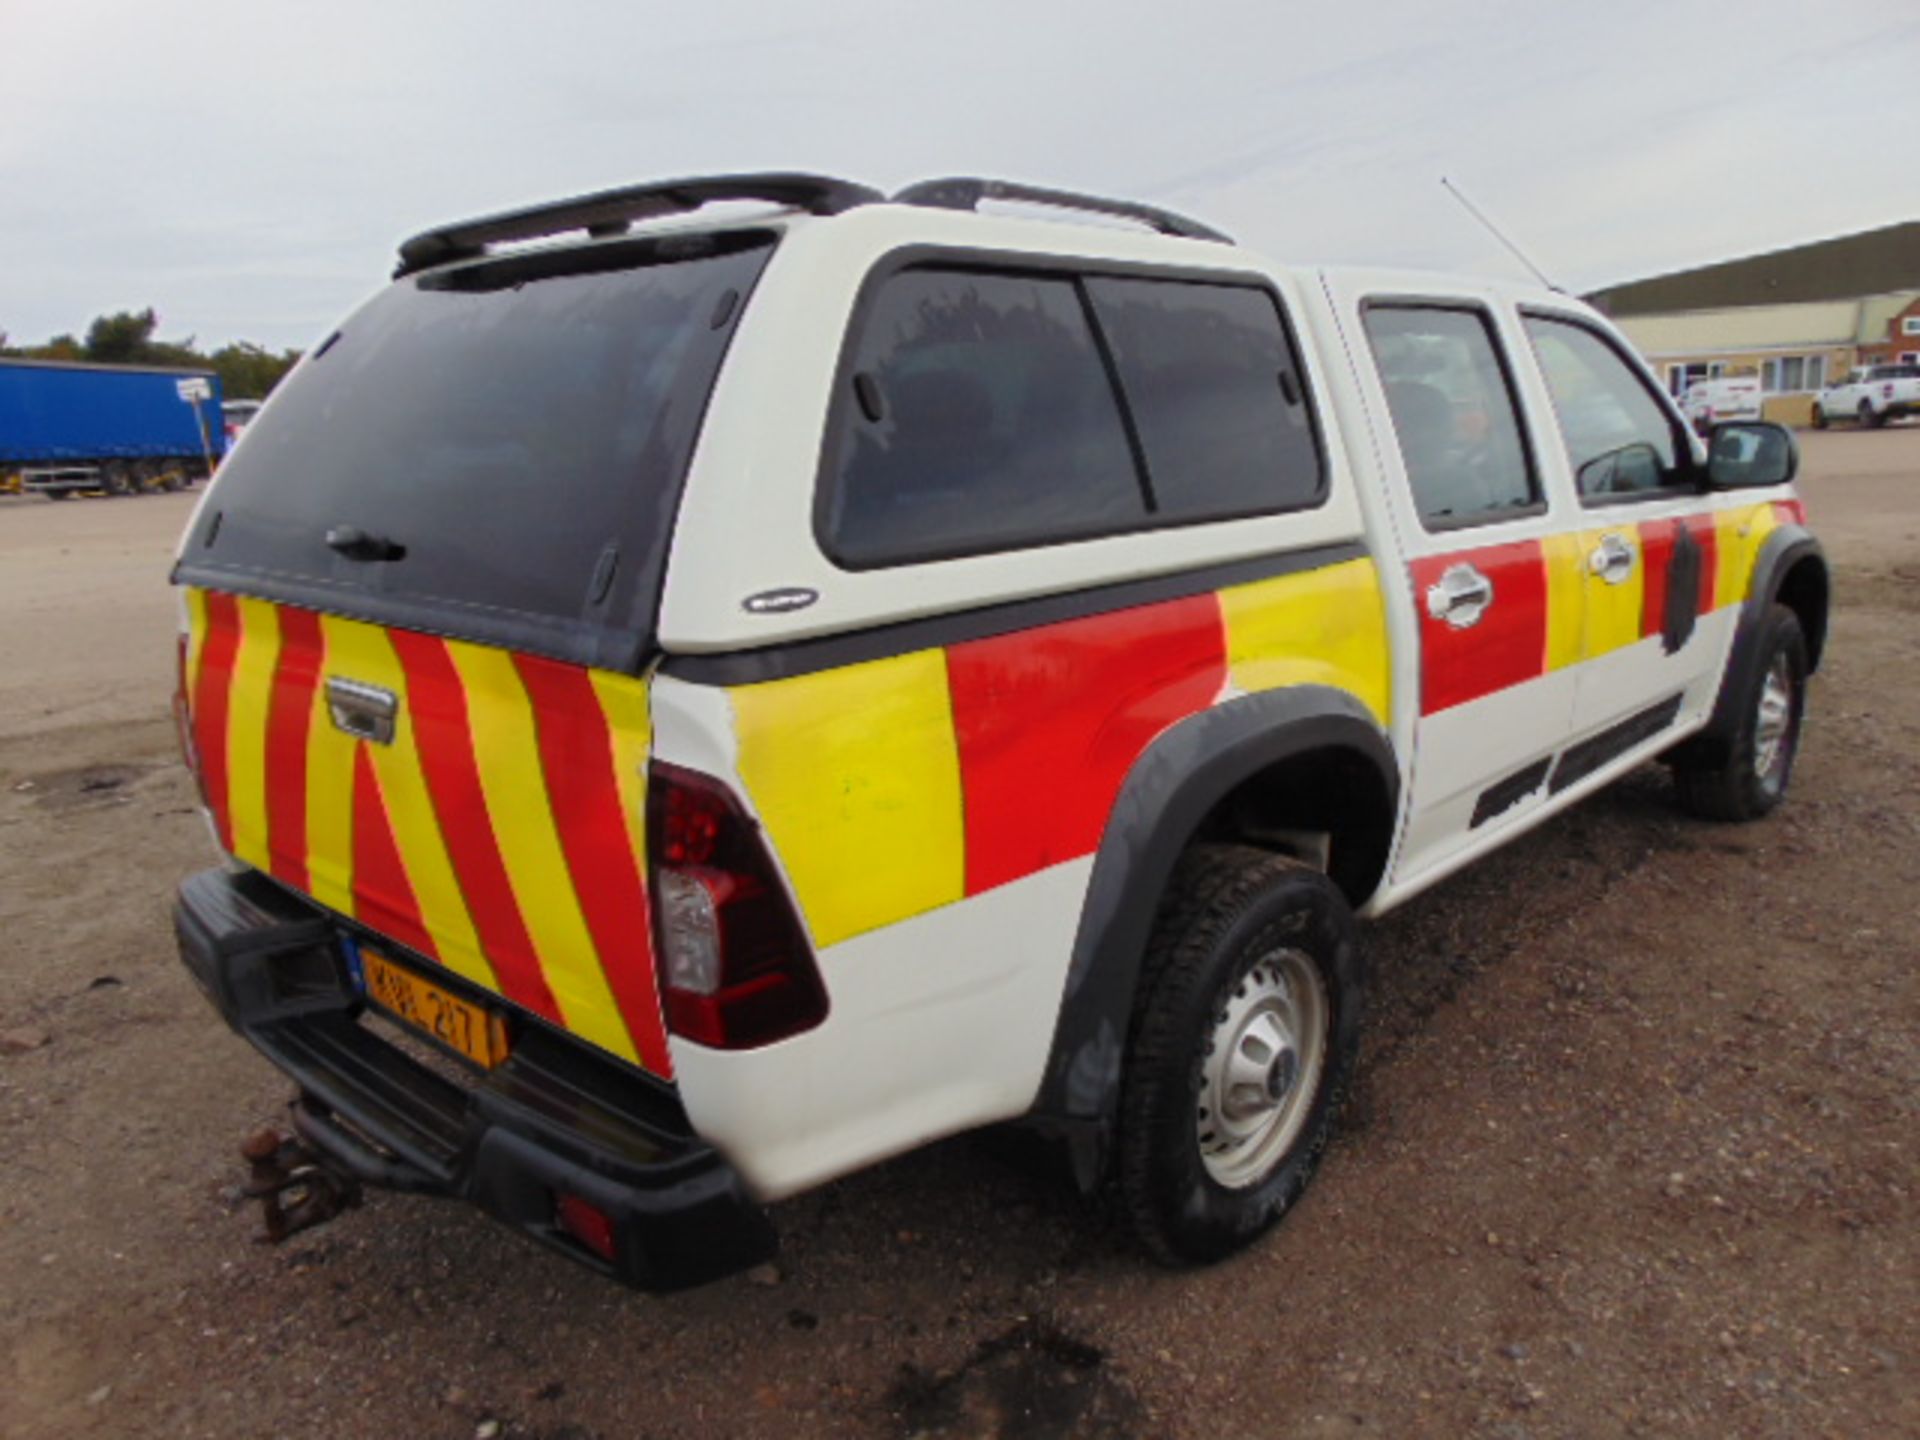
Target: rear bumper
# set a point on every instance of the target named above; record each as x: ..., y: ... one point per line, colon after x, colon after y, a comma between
x: 556, y: 1118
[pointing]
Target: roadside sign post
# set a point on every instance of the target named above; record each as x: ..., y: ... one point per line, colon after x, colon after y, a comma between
x: 193, y: 391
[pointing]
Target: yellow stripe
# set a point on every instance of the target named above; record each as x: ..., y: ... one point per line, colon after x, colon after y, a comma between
x: 507, y: 750
x: 364, y: 653
x: 248, y: 697
x: 329, y: 791
x: 623, y: 701
x: 856, y: 775
x: 1566, y: 562
x: 196, y: 637
x: 1737, y: 536
x: 1323, y: 627
x: 1613, y: 611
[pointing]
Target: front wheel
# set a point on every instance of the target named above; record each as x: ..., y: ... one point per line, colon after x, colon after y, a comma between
x: 1244, y: 1037
x: 1868, y: 420
x: 1751, y: 777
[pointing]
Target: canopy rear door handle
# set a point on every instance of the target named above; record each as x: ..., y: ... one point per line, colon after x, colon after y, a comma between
x: 1460, y: 596
x: 363, y: 711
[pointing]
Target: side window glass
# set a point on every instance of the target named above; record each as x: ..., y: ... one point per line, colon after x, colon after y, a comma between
x: 1214, y: 389
x: 1619, y: 441
x: 981, y: 418
x: 1453, y: 413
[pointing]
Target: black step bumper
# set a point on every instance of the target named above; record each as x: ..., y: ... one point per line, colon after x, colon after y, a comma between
x: 556, y: 1118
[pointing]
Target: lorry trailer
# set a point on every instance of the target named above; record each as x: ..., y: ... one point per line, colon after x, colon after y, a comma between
x: 67, y: 427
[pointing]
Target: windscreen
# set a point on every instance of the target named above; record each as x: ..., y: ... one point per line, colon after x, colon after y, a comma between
x: 493, y: 451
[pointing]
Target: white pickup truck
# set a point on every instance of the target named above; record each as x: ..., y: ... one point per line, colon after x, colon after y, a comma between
x: 1872, y: 396
x: 704, y: 703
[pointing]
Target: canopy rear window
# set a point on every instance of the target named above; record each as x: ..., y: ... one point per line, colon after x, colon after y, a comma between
x: 493, y: 451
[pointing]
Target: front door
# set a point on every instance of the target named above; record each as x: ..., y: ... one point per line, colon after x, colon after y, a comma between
x: 1654, y: 629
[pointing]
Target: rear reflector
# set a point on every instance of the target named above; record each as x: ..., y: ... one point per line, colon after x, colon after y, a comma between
x: 585, y: 1222
x: 736, y: 970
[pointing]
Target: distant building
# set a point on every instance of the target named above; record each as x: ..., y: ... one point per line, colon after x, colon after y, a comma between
x: 1797, y: 318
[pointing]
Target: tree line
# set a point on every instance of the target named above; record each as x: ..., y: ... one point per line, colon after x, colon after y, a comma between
x: 247, y: 371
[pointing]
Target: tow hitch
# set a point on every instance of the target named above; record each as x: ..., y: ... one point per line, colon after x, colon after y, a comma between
x: 295, y: 1186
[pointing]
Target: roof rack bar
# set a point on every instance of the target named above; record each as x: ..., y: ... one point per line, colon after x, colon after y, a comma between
x: 612, y: 212
x: 965, y: 192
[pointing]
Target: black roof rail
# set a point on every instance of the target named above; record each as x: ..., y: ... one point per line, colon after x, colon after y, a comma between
x: 965, y: 192
x: 612, y: 212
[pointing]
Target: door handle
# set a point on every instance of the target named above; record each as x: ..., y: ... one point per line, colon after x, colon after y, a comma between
x: 1460, y: 596
x: 1612, y: 559
x: 365, y: 712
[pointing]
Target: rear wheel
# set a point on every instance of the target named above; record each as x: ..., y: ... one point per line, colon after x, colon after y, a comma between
x: 1245, y: 1033
x: 1819, y: 418
x: 1751, y: 776
x: 114, y: 479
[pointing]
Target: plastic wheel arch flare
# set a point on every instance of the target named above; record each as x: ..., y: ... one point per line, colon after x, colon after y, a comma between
x: 498, y: 833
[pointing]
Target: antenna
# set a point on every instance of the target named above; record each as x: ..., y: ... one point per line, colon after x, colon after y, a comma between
x: 1480, y: 215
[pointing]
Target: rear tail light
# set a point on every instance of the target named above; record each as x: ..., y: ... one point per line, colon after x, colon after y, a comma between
x: 736, y: 970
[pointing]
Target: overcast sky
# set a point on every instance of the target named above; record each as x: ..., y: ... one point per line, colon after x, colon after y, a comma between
x: 247, y: 169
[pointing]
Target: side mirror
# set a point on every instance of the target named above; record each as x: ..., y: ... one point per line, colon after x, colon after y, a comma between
x: 1751, y: 454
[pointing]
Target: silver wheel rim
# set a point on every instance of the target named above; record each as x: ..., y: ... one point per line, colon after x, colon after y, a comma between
x: 1773, y: 723
x: 1261, y: 1069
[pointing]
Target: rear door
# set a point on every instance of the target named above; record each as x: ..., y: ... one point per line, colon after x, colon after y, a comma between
x: 1482, y: 532
x: 420, y: 607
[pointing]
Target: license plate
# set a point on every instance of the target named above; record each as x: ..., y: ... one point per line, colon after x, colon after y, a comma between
x: 460, y: 1025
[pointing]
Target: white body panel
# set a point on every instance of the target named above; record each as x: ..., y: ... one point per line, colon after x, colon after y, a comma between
x: 937, y: 1024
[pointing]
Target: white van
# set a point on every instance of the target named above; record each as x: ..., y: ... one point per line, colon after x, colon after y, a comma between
x: 1714, y: 402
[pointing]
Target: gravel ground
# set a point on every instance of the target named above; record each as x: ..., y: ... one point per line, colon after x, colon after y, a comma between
x: 1633, y: 1148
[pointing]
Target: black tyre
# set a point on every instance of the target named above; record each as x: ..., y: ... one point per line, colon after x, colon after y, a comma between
x: 1868, y: 420
x: 115, y: 480
x: 1819, y: 418
x: 1751, y: 777
x: 1245, y: 1032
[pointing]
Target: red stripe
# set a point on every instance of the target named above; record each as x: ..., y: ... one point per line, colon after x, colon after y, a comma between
x: 1049, y: 720
x: 1789, y: 512
x: 1506, y: 646
x: 382, y: 896
x: 1657, y: 538
x: 289, y: 717
x: 218, y: 647
x: 576, y: 752
x: 437, y: 703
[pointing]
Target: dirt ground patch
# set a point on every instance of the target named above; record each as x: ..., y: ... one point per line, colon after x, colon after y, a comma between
x: 1633, y: 1150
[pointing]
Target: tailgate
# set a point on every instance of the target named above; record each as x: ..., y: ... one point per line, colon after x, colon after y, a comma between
x: 494, y: 827
x: 420, y: 600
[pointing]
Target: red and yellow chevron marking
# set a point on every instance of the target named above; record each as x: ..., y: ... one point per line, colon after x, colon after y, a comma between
x: 499, y: 834
x: 1552, y: 612
x: 897, y: 786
